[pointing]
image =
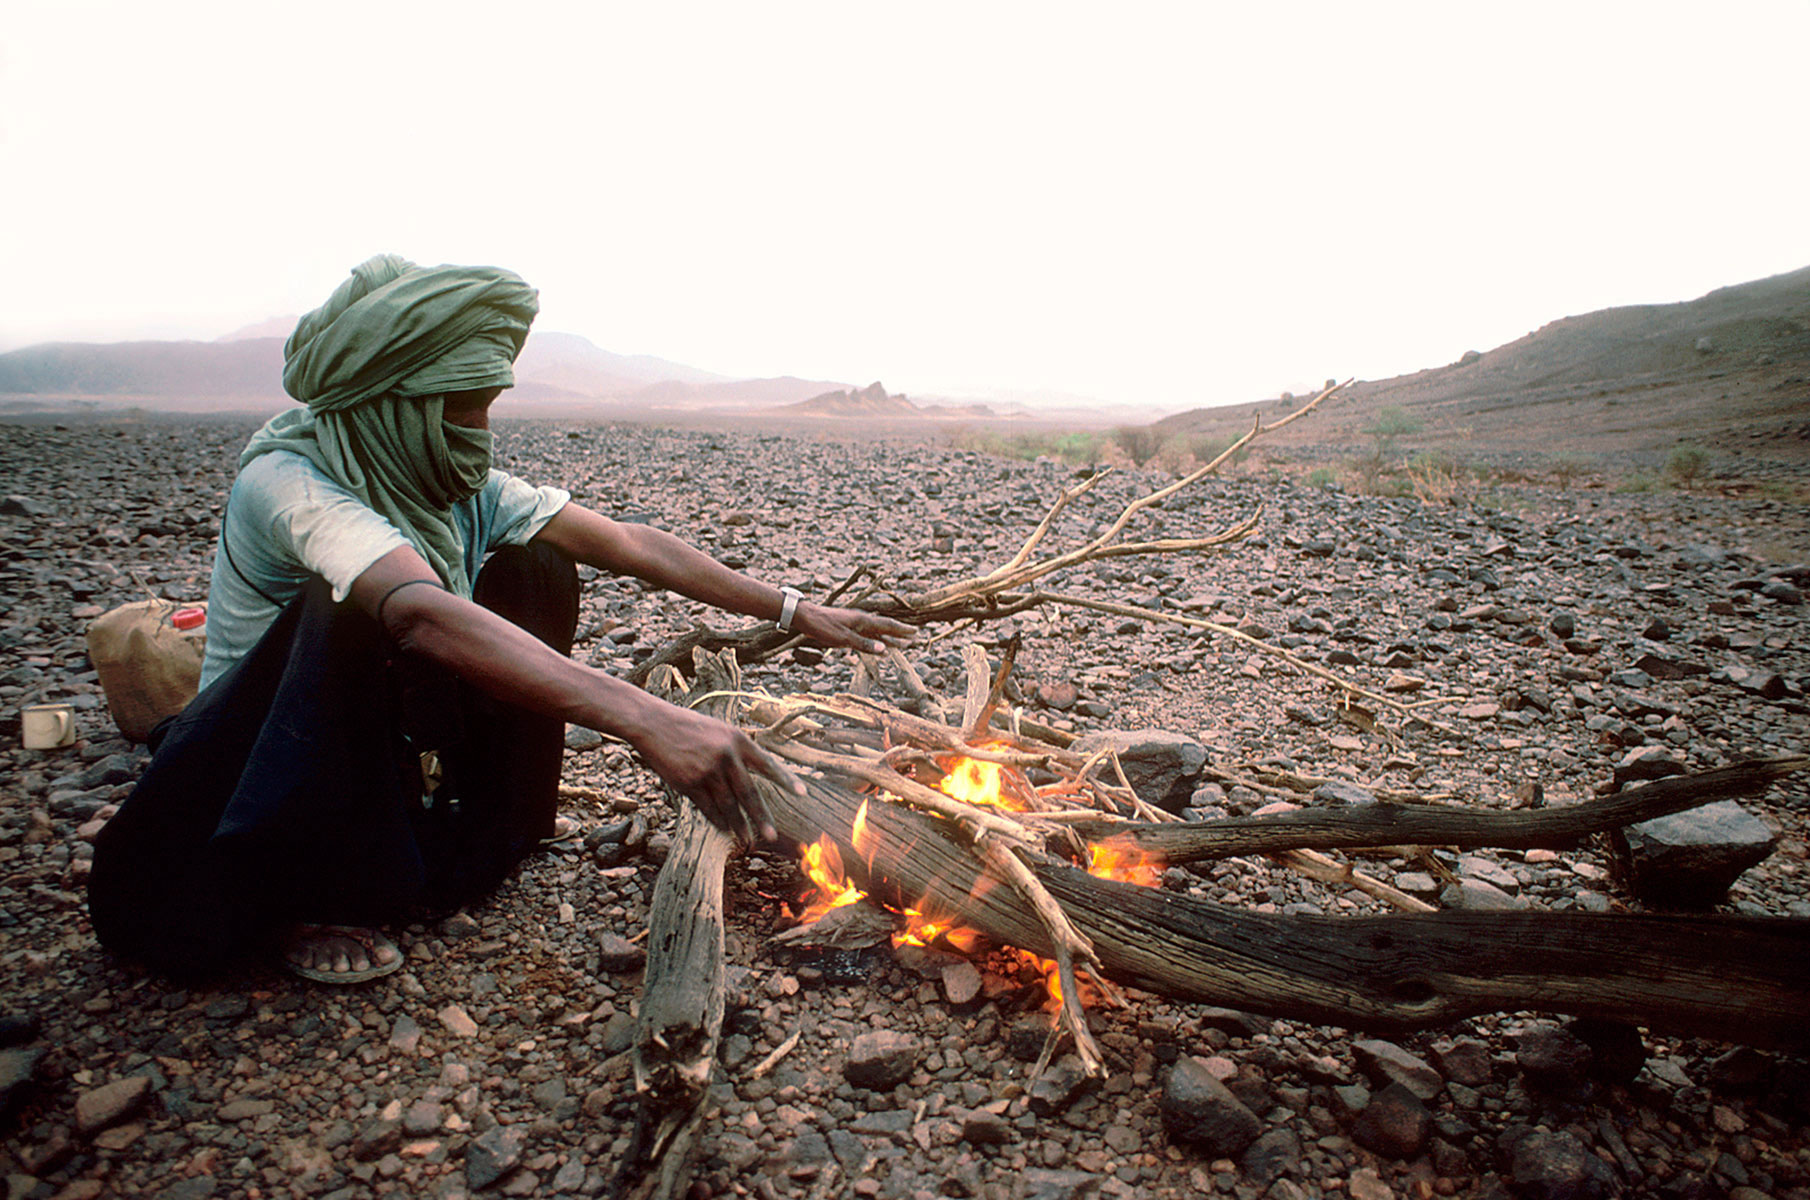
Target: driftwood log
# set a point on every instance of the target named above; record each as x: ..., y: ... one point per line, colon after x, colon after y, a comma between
x: 681, y: 1013
x: 1385, y: 824
x: 1735, y: 978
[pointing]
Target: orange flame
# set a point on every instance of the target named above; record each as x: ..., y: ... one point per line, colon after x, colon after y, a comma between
x: 973, y: 781
x: 822, y: 863
x: 1128, y: 866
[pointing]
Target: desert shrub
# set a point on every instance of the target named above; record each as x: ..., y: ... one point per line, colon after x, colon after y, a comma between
x: 1139, y: 442
x: 1076, y: 448
x: 1319, y: 477
x: 1685, y: 464
x: 1205, y: 448
x: 1391, y: 423
x: 1435, y: 477
x: 1640, y: 481
x: 1567, y: 469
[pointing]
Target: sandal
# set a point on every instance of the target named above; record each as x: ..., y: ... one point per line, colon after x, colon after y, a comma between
x: 565, y: 829
x: 371, y: 943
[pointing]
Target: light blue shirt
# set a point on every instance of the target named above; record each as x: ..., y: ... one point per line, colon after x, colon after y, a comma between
x: 289, y: 522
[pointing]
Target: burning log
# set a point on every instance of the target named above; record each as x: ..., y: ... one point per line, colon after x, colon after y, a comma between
x: 1712, y: 976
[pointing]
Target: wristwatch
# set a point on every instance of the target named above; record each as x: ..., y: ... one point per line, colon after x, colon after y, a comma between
x: 788, y: 608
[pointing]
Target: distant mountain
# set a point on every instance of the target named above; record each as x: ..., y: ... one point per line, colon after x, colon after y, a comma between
x: 870, y: 401
x: 558, y: 373
x: 873, y: 401
x: 275, y: 327
x: 248, y: 369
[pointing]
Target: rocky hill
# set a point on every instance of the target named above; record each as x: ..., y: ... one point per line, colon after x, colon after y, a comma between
x: 1730, y: 370
x: 870, y: 401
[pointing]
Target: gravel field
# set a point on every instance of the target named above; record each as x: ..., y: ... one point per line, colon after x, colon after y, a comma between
x: 1551, y: 625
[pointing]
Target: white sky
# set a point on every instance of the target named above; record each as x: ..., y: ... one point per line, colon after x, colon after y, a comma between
x: 1160, y: 204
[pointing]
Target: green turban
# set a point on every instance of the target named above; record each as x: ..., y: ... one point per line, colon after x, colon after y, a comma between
x: 373, y: 365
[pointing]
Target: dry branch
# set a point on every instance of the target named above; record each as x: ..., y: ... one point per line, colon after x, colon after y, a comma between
x: 993, y: 595
x: 1423, y: 825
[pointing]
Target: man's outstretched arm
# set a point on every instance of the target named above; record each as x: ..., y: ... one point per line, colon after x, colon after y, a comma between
x: 670, y: 562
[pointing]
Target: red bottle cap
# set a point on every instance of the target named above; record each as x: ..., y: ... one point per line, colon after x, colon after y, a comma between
x: 188, y: 618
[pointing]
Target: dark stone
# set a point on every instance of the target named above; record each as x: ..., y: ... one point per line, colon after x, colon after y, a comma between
x: 618, y: 955
x: 16, y: 1029
x: 1161, y: 766
x: 882, y: 1060
x: 1385, y: 1063
x: 1025, y: 1038
x: 1554, y: 1058
x: 1466, y: 1062
x: 18, y: 1071
x: 1618, y: 1051
x: 891, y: 1122
x: 492, y: 1155
x: 1669, y: 668
x: 1061, y: 1083
x: 1200, y: 1111
x: 1040, y: 1184
x: 1265, y: 1159
x: 987, y: 1129
x: 1395, y: 1123
x: 1232, y: 1022
x: 1742, y: 1069
x: 1648, y: 762
x: 1339, y: 792
x: 376, y: 1139
x: 1557, y: 1166
x: 1689, y: 859
x: 1782, y: 592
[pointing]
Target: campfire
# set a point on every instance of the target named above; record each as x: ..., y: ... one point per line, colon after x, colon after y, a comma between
x: 970, y: 781
x: 962, y: 821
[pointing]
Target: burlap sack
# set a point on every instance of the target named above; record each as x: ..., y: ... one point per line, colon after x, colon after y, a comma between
x: 148, y: 668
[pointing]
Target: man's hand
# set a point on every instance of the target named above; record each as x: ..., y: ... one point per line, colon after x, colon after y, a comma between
x: 848, y: 628
x: 715, y: 765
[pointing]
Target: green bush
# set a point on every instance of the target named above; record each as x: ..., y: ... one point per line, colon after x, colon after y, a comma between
x: 1140, y: 442
x: 1391, y: 423
x: 1319, y: 477
x: 1640, y: 481
x: 1075, y: 448
x: 1685, y: 464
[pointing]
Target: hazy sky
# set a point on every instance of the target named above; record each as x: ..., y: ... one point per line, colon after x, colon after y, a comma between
x: 1165, y: 204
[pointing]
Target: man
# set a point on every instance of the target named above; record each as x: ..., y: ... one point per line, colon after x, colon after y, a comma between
x: 383, y: 707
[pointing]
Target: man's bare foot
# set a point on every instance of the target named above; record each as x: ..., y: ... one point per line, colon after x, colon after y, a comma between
x: 339, y: 953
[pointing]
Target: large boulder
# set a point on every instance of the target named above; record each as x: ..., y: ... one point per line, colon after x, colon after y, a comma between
x: 1160, y: 765
x: 1689, y: 859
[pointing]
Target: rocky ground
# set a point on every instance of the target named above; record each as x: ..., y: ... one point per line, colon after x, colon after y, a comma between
x: 1572, y: 634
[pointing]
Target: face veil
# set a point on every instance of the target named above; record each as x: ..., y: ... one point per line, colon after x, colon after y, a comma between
x: 372, y: 365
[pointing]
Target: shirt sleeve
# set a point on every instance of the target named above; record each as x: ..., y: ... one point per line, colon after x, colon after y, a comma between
x: 316, y: 526
x: 512, y: 510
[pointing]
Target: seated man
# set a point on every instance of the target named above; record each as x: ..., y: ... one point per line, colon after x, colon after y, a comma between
x: 387, y: 682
